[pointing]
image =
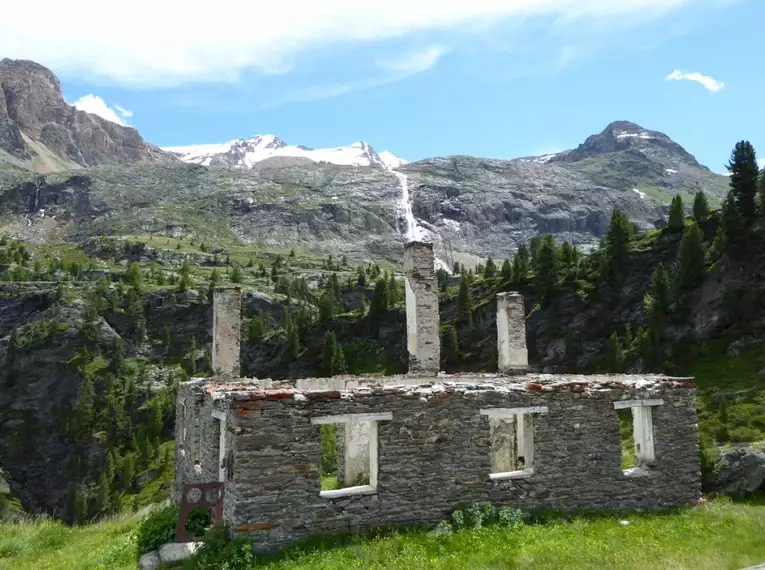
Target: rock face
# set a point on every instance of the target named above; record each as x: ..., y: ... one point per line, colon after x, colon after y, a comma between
x: 40, y: 130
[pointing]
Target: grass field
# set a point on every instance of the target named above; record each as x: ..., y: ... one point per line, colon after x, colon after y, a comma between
x: 719, y: 535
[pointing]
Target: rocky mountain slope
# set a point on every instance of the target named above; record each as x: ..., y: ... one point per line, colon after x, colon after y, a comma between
x: 348, y: 200
x: 244, y: 153
x: 40, y: 131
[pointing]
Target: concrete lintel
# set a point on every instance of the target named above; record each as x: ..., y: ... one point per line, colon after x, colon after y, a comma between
x: 348, y: 491
x: 345, y: 418
x: 505, y: 412
x: 511, y: 475
x: 623, y: 404
x: 219, y: 415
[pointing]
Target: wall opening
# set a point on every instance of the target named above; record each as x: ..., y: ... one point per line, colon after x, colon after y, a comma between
x: 511, y: 441
x: 349, y: 453
x: 636, y: 434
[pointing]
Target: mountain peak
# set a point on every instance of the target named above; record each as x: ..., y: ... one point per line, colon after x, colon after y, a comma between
x: 245, y: 153
x: 626, y: 136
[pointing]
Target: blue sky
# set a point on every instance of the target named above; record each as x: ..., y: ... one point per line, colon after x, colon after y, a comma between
x: 494, y: 78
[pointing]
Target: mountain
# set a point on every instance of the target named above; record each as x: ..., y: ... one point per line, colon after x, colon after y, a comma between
x: 244, y: 153
x: 40, y: 131
x: 262, y: 192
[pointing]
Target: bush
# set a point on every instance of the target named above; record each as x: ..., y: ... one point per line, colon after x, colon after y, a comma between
x: 509, y: 517
x: 222, y: 552
x: 157, y: 529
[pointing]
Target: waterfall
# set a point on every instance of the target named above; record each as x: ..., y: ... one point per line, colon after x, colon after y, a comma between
x: 37, y: 199
x: 413, y: 231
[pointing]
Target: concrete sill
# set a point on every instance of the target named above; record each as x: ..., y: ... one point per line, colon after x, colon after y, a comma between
x: 634, y: 472
x: 511, y: 475
x: 348, y: 492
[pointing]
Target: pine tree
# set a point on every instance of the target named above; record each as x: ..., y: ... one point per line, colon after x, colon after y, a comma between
x: 491, y: 269
x: 379, y: 304
x: 361, y: 279
x: 731, y: 233
x: 451, y: 344
x: 521, y: 264
x: 329, y: 353
x: 292, y: 345
x: 393, y: 297
x: 700, y: 207
x: 363, y: 307
x: 762, y: 192
x: 339, y: 360
x: 456, y: 268
x: 547, y: 267
x: 676, y: 214
x: 615, y: 354
x: 690, y: 264
x: 255, y: 329
x: 617, y: 242
x: 465, y: 303
x: 744, y: 174
x: 506, y: 272
x: 327, y: 307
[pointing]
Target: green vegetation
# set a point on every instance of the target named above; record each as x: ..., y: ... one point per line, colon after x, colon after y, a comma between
x: 719, y: 535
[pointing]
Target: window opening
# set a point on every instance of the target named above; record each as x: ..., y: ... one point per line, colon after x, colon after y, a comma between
x: 511, y: 437
x: 349, y: 453
x: 636, y: 434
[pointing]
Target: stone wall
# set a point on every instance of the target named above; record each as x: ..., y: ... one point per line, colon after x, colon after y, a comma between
x: 227, y: 308
x: 435, y: 453
x: 197, y: 436
x: 511, y: 333
x: 422, y: 318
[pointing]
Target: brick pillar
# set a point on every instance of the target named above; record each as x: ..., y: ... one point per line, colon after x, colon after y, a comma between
x: 227, y: 308
x: 422, y: 324
x: 511, y: 333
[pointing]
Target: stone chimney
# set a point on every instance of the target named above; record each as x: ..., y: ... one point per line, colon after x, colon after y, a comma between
x: 511, y: 333
x: 227, y: 309
x: 422, y: 321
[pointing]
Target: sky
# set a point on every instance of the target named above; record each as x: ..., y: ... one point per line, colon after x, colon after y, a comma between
x: 421, y: 78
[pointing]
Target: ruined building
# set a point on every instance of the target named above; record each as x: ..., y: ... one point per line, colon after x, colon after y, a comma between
x: 414, y: 447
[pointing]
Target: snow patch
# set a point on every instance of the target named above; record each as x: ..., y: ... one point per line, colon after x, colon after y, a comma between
x: 626, y: 135
x: 245, y: 153
x: 670, y: 171
x: 639, y: 193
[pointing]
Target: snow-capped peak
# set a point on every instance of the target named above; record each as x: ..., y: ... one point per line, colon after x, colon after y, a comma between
x: 244, y: 153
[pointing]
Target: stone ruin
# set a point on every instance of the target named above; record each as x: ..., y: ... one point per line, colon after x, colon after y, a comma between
x: 414, y: 447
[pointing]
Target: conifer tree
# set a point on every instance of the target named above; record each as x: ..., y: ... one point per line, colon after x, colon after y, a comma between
x: 547, y: 267
x: 361, y: 279
x: 762, y: 192
x: 676, y: 214
x: 731, y: 233
x: 393, y: 297
x: 617, y: 242
x: 339, y: 362
x: 491, y: 268
x: 236, y: 274
x: 690, y: 264
x: 506, y: 272
x: 255, y: 329
x: 329, y: 353
x: 744, y: 174
x: 465, y: 303
x: 451, y: 344
x: 615, y: 354
x: 379, y: 305
x: 456, y: 268
x: 700, y: 207
x: 363, y: 307
x: 292, y: 345
x: 521, y: 264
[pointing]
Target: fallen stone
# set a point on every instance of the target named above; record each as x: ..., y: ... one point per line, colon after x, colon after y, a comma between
x: 150, y: 560
x: 740, y: 471
x: 177, y: 551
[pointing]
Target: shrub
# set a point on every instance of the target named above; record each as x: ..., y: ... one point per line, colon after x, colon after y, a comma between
x: 222, y: 552
x: 157, y: 529
x: 509, y: 517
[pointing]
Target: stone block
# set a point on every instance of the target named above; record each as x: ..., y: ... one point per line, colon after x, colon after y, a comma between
x: 177, y: 551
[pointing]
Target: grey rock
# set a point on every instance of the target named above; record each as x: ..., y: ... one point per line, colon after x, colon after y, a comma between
x: 177, y: 551
x: 740, y: 471
x: 150, y: 560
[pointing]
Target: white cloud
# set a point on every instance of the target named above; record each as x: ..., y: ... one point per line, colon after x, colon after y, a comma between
x: 172, y: 42
x: 94, y: 104
x: 393, y: 70
x: 415, y: 62
x: 707, y: 82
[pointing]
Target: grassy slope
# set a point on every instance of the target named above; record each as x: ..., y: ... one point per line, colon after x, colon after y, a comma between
x: 720, y: 535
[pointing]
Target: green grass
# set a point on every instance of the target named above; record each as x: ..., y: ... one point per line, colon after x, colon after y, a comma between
x: 720, y: 535
x: 329, y: 483
x: 46, y: 544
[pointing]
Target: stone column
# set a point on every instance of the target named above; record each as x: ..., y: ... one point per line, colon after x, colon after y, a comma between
x: 422, y: 320
x: 227, y: 308
x: 511, y: 333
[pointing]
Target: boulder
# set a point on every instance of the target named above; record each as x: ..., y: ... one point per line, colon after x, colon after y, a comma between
x: 177, y: 551
x: 739, y: 472
x: 150, y: 560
